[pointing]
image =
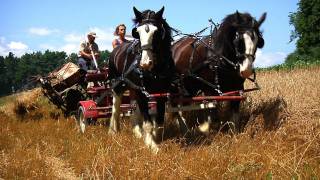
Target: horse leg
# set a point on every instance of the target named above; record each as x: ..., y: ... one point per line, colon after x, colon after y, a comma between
x: 147, y: 123
x: 114, y: 120
x: 205, y: 126
x: 158, y: 120
x: 136, y: 119
x: 235, y: 117
x: 182, y: 123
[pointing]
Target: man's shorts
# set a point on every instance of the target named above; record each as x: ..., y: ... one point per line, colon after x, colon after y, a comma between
x: 84, y: 64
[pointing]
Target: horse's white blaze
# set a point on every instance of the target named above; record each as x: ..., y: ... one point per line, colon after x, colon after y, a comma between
x: 146, y: 60
x: 146, y: 32
x: 246, y: 67
x: 114, y: 120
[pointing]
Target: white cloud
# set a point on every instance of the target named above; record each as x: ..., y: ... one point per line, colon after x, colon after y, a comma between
x: 269, y: 59
x: 70, y: 48
x: 42, y: 31
x: 71, y: 41
x: 105, y: 38
x: 73, y: 38
x: 17, y: 48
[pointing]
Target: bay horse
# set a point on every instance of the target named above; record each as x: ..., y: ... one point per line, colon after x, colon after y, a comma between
x: 143, y: 66
x: 222, y: 61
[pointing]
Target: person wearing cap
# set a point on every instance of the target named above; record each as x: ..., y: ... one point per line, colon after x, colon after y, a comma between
x: 120, y: 32
x: 88, y: 48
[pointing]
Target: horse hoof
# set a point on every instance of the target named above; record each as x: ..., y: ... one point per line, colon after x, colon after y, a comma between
x: 204, y: 128
x: 112, y: 132
x: 137, y: 132
x: 154, y: 150
x: 150, y: 143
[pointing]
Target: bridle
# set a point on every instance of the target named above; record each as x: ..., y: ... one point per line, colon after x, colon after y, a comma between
x: 236, y: 42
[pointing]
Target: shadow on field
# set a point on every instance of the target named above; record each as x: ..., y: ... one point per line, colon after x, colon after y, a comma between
x: 267, y: 115
x: 264, y: 116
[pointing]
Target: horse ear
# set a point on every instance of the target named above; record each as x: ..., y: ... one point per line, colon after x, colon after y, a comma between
x: 262, y: 18
x: 238, y: 16
x: 160, y: 13
x: 137, y: 13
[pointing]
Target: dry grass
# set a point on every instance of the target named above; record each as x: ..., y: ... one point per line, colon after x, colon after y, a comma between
x: 281, y: 139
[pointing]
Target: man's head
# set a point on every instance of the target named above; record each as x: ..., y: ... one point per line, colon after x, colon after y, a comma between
x: 91, y: 36
x: 120, y: 30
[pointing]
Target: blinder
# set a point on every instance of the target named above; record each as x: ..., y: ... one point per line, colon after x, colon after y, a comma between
x: 237, y: 44
x: 260, y: 43
x: 135, y: 33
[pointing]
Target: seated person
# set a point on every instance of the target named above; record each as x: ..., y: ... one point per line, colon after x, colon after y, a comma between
x: 89, y: 51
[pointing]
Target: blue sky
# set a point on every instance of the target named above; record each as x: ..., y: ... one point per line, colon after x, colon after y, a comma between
x: 37, y: 25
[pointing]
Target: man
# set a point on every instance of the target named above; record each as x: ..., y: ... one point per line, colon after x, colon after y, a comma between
x: 121, y: 32
x: 87, y: 50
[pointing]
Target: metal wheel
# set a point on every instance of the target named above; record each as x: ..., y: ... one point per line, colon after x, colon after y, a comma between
x: 82, y: 121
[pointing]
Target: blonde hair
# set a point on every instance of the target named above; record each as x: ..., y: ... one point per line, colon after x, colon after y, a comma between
x: 116, y: 32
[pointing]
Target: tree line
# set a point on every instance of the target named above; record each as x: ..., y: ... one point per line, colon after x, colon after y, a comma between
x: 17, y: 73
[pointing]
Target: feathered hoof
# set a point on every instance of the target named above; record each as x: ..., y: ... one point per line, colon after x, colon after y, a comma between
x: 150, y: 143
x: 137, y: 131
x: 149, y: 138
x: 204, y: 128
x: 158, y: 133
x: 112, y: 132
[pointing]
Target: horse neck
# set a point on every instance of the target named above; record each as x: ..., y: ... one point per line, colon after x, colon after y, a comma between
x: 163, y: 53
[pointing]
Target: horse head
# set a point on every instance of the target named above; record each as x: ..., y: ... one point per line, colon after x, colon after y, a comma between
x: 152, y: 31
x: 245, y: 37
x: 246, y: 41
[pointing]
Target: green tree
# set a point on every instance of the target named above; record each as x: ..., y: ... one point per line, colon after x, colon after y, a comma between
x: 306, y: 22
x: 10, y: 67
x: 104, y: 57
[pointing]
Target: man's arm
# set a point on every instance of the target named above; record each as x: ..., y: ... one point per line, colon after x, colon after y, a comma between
x: 82, y: 52
x: 85, y: 55
x: 114, y: 43
x: 96, y: 51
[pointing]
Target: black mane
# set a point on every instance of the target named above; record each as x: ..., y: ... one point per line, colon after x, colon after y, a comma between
x: 230, y: 24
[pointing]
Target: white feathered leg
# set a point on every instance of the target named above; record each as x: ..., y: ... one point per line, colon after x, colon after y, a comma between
x: 149, y: 138
x: 182, y: 124
x: 205, y: 126
x: 114, y: 120
x: 136, y: 120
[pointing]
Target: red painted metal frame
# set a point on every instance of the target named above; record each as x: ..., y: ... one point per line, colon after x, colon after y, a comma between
x: 92, y: 111
x: 89, y: 108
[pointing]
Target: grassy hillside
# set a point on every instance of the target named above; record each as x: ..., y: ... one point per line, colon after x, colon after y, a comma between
x: 281, y: 139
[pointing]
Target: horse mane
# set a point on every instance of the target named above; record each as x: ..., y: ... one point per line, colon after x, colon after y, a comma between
x: 168, y: 31
x: 230, y: 24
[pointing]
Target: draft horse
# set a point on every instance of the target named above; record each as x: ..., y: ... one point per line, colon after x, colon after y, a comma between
x: 222, y: 61
x: 143, y: 66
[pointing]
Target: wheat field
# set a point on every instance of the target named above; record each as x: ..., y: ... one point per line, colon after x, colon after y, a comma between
x: 280, y: 140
